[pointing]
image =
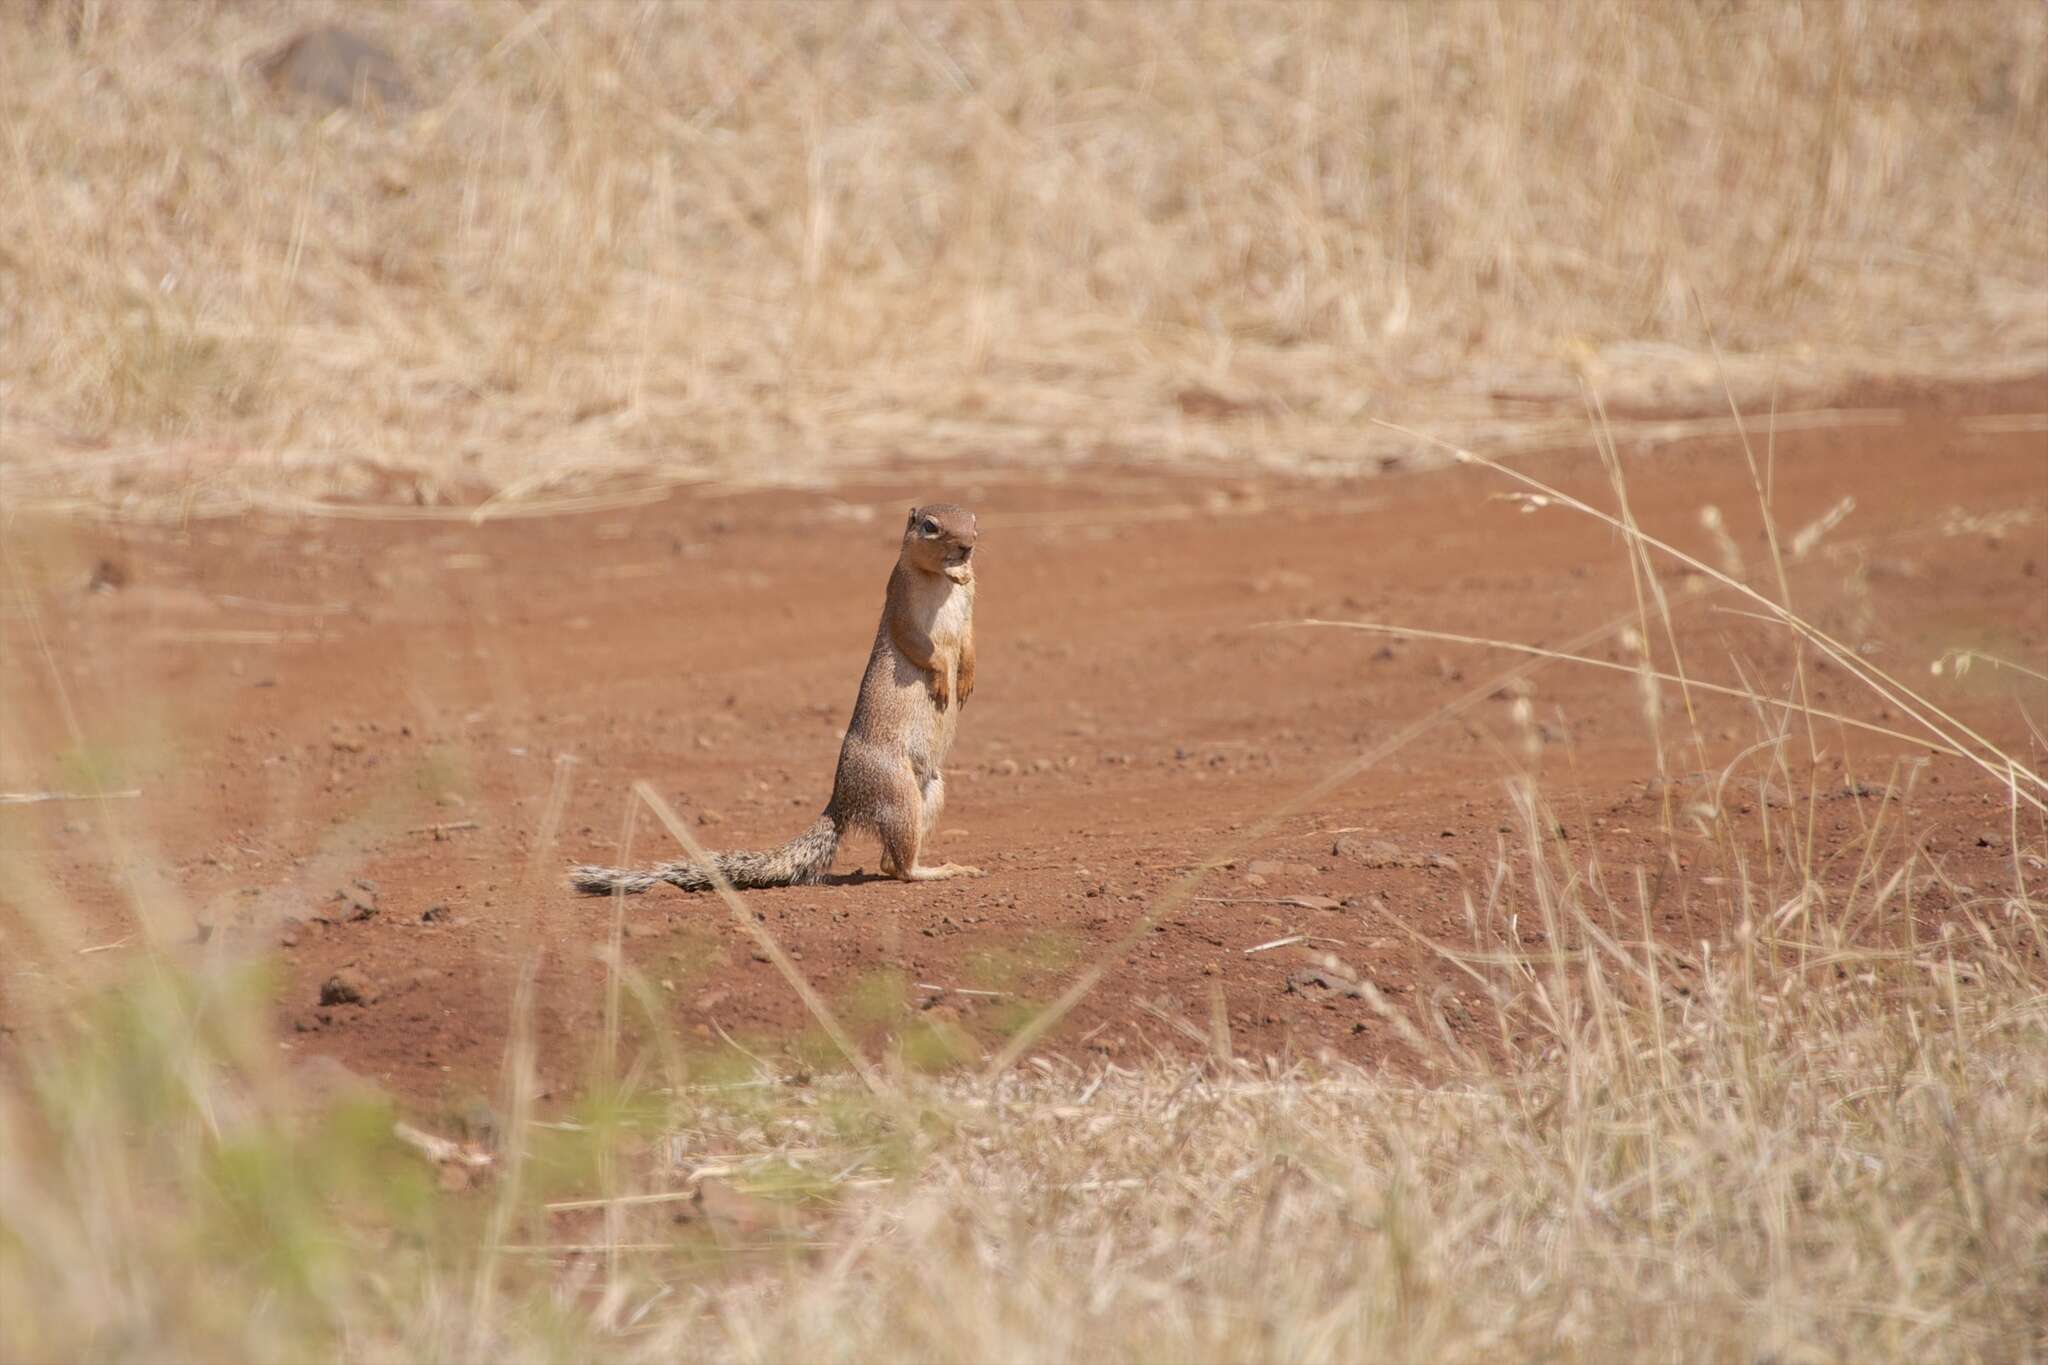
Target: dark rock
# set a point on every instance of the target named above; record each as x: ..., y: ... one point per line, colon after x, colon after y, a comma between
x: 335, y: 68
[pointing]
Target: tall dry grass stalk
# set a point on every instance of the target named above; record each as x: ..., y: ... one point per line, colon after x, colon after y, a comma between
x: 775, y: 242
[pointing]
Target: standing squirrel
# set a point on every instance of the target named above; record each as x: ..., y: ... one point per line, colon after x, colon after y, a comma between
x: 919, y: 675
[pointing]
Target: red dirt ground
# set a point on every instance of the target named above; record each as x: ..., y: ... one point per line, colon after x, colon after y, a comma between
x: 301, y: 700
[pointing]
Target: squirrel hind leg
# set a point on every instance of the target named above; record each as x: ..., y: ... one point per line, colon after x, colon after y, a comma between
x: 900, y: 826
x: 903, y: 832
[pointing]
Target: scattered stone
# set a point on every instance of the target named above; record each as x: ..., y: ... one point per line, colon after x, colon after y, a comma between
x: 1315, y: 902
x: 349, y: 986
x: 1007, y: 767
x: 334, y: 67
x: 730, y: 1213
x: 1443, y: 862
x: 1281, y: 580
x: 360, y: 899
x: 760, y: 955
x: 711, y: 999
x: 1261, y: 867
x: 1372, y: 852
x: 1323, y: 978
x: 107, y: 576
x: 288, y: 931
x: 434, y: 914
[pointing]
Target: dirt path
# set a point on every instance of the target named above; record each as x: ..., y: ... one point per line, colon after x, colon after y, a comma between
x: 304, y: 703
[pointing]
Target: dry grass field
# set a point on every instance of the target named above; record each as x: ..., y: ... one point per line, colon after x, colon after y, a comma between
x: 1580, y: 902
x: 771, y: 243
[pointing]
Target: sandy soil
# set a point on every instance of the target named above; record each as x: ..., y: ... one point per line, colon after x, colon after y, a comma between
x: 307, y: 705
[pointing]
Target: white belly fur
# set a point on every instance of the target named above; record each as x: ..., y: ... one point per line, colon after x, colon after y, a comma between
x: 949, y: 616
x: 946, y: 624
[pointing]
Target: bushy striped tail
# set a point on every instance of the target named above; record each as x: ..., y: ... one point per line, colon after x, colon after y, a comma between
x: 803, y: 861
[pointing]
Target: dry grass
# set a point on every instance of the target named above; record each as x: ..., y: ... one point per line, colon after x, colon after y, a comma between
x: 756, y: 243
x: 781, y: 242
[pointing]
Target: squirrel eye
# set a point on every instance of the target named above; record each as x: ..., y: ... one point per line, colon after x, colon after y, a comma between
x: 928, y: 526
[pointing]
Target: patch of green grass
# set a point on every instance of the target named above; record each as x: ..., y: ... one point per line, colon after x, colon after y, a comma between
x: 878, y: 997
x: 1010, y: 966
x: 935, y: 1045
x: 693, y: 954
x: 1007, y: 1016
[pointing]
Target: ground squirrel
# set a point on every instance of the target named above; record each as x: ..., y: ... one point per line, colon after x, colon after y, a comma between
x: 920, y: 674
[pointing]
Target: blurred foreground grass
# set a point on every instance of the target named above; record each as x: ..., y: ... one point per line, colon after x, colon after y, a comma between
x: 1791, y: 1145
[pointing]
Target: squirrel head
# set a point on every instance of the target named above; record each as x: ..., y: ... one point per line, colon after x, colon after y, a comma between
x: 939, y: 538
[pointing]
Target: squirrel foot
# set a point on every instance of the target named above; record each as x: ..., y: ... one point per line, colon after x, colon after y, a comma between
x: 940, y: 873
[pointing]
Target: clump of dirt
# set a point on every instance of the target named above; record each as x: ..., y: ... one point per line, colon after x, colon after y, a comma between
x: 349, y: 986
